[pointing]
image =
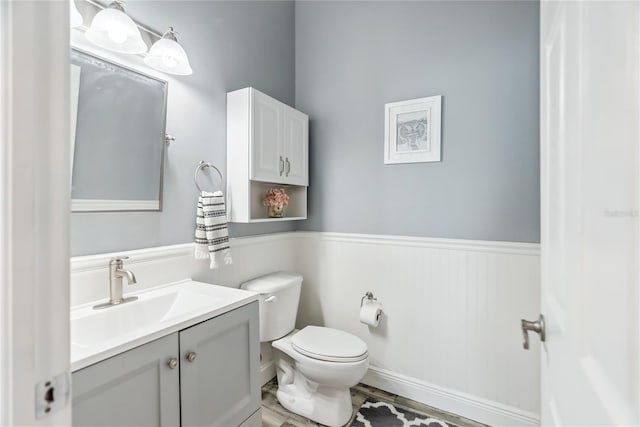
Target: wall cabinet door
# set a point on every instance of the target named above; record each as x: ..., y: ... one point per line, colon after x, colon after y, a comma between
x: 267, y: 160
x: 296, y: 147
x: 220, y: 386
x: 135, y: 388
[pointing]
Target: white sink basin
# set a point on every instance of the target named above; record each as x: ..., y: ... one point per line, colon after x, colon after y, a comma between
x: 99, y: 334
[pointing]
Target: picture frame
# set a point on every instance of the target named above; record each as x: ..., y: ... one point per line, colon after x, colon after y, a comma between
x: 412, y: 130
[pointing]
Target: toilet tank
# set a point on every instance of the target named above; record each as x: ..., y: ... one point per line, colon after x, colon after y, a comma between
x: 279, y: 297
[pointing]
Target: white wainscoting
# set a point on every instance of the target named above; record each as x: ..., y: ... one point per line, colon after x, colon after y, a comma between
x: 252, y: 256
x: 450, y: 335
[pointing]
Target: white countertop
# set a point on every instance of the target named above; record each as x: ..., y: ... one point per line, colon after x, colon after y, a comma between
x: 99, y: 334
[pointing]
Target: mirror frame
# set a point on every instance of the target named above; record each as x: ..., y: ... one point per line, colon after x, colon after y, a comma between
x: 117, y: 205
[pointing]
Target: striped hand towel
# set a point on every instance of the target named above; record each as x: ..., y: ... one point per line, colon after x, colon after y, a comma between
x: 212, y: 236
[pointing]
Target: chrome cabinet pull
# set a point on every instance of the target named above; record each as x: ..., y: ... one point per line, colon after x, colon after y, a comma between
x: 281, y: 165
x: 191, y: 356
x: 288, y: 165
x: 172, y: 363
x: 538, y: 327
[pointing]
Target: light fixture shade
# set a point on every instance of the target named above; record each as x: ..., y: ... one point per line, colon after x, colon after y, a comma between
x: 112, y: 29
x: 168, y: 56
x: 75, y: 19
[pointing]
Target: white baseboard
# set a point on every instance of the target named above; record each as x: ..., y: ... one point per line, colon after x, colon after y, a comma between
x: 267, y: 372
x: 481, y: 410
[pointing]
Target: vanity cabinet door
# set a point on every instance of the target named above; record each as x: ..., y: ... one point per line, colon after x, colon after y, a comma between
x: 220, y: 369
x: 267, y: 159
x: 296, y: 146
x: 135, y: 388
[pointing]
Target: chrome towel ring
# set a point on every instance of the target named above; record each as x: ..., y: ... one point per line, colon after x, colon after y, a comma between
x: 204, y: 165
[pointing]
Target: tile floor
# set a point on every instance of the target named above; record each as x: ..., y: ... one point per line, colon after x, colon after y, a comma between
x: 274, y: 415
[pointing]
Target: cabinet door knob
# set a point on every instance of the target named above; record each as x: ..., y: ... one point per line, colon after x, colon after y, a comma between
x: 191, y: 356
x: 288, y: 166
x: 281, y: 165
x: 172, y: 363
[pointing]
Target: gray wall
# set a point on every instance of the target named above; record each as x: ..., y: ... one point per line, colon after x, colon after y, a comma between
x: 347, y: 60
x: 353, y: 57
x: 230, y: 45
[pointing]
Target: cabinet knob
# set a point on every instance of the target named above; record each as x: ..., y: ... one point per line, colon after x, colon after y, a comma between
x: 172, y: 363
x: 288, y: 165
x: 281, y: 165
x: 191, y: 356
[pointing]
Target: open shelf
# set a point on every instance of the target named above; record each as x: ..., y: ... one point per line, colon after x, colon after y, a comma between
x: 296, y: 210
x: 286, y: 218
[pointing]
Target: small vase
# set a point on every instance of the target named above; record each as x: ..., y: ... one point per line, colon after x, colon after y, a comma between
x: 275, y: 211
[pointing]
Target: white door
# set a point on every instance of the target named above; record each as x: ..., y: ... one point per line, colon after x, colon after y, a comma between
x: 34, y: 213
x: 296, y: 146
x: 267, y: 159
x: 590, y: 132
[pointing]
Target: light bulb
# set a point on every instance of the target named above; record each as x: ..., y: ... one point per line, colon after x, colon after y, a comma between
x: 169, y: 61
x: 168, y: 56
x: 117, y: 33
x: 112, y: 29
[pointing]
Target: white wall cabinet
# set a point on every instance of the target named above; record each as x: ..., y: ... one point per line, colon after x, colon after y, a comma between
x: 215, y: 380
x: 267, y: 146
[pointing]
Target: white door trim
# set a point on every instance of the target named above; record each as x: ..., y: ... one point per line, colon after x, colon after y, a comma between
x: 34, y: 212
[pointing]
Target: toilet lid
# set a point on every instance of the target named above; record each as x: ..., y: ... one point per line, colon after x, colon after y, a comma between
x: 329, y: 344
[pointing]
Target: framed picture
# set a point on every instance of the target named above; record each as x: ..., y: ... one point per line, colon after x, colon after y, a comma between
x: 412, y: 130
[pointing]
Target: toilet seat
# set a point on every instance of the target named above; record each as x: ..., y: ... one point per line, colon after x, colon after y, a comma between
x: 331, y: 345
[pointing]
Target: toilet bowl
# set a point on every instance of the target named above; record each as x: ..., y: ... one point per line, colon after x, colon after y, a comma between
x: 316, y: 365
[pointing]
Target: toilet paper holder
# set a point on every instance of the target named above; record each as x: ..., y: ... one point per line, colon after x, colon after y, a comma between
x: 368, y: 296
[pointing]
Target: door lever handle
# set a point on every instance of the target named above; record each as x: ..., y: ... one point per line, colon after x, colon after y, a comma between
x: 537, y: 326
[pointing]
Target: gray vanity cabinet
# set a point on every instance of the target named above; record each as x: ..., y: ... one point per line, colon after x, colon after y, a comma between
x: 214, y: 381
x: 221, y: 387
x: 135, y: 388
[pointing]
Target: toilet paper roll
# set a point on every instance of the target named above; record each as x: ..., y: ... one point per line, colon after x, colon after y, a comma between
x: 370, y: 313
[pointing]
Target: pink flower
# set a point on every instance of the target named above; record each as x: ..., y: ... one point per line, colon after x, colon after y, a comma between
x: 276, y: 197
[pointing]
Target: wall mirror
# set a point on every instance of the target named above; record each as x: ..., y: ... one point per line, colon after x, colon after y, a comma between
x: 117, y: 140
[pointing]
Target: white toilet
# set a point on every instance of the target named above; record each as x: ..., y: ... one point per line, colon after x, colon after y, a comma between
x: 316, y: 366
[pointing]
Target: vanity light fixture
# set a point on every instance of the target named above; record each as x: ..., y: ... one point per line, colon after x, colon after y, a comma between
x: 114, y: 30
x: 75, y: 18
x: 168, y: 56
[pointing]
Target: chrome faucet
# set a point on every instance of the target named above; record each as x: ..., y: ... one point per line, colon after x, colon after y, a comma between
x: 116, y: 273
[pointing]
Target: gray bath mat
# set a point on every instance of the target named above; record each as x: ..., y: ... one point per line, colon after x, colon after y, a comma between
x: 374, y: 413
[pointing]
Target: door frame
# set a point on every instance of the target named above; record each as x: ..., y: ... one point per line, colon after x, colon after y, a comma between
x: 34, y: 207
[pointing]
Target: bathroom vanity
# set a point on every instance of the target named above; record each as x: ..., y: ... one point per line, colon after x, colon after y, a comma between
x: 183, y: 354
